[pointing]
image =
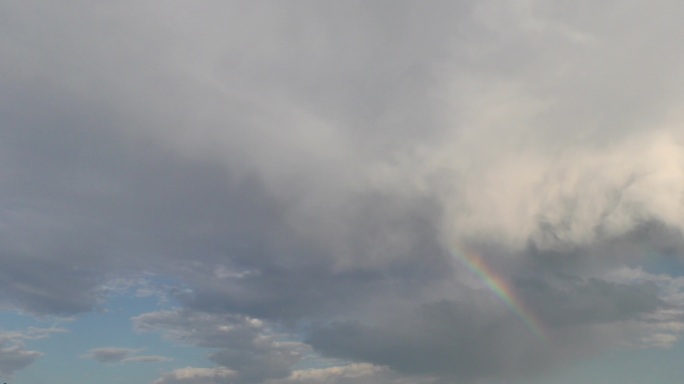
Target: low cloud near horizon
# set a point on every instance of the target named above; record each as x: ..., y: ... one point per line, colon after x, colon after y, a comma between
x: 313, y: 176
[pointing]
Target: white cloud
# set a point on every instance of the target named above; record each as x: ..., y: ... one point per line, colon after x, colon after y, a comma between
x: 571, y: 197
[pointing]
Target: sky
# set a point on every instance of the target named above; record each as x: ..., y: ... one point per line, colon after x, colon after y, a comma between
x: 341, y: 192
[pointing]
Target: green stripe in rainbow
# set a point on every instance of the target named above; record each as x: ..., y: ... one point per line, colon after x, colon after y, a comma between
x: 501, y: 289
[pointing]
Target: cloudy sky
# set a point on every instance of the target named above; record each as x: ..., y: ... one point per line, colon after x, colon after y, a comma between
x: 341, y: 192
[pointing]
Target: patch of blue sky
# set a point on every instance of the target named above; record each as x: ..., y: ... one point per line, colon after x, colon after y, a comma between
x: 111, y: 326
x: 638, y: 366
x: 11, y: 321
x: 659, y: 261
x: 664, y: 263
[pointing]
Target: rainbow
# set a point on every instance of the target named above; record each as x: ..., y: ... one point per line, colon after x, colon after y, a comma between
x: 501, y: 289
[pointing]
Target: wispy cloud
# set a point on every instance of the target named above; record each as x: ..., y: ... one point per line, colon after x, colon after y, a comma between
x: 146, y: 359
x: 110, y: 354
x: 122, y: 355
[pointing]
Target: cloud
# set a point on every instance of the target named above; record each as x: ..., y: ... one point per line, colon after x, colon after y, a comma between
x: 576, y: 302
x: 110, y: 354
x: 246, y: 346
x: 13, y: 353
x: 308, y: 189
x: 665, y: 326
x: 449, y: 339
x: 14, y: 358
x: 581, y: 197
x: 146, y: 359
x: 192, y: 375
x: 348, y: 374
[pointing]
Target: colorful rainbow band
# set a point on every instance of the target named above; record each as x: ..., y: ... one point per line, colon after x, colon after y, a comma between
x: 501, y: 289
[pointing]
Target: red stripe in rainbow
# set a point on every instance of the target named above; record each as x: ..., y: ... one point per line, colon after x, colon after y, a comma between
x: 501, y: 289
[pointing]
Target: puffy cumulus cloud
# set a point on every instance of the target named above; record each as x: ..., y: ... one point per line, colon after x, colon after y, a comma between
x: 191, y: 375
x: 324, y: 174
x: 577, y: 197
x: 246, y: 346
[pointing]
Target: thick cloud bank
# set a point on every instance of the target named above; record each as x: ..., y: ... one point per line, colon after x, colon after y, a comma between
x: 323, y: 181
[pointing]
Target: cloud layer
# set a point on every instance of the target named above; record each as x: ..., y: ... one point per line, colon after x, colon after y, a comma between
x: 307, y: 175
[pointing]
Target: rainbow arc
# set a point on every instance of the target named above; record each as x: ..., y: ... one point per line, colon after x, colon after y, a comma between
x: 500, y: 287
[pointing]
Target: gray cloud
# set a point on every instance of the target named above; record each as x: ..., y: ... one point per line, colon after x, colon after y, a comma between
x: 243, y: 345
x: 576, y: 302
x: 14, y: 358
x: 13, y: 353
x: 446, y: 337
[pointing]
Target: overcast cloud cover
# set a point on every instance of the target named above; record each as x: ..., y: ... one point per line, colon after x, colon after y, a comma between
x: 298, y: 182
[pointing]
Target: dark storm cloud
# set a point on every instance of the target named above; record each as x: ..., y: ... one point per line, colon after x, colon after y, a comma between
x: 470, y: 337
x: 465, y: 342
x: 64, y: 237
x: 80, y: 200
x: 592, y: 301
x: 452, y: 338
x: 372, y: 250
x: 315, y: 165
